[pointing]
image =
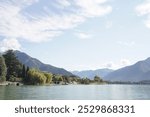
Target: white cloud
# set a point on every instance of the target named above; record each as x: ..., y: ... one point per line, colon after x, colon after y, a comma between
x: 17, y: 23
x: 144, y: 9
x: 117, y: 65
x: 110, y: 65
x: 92, y: 8
x: 147, y: 22
x: 64, y: 3
x: 124, y: 62
x: 7, y: 44
x: 83, y: 35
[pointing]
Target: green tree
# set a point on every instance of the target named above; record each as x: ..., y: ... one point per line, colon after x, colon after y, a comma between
x: 14, y: 67
x: 57, y: 78
x: 25, y: 75
x: 60, y: 79
x: 97, y: 79
x: 3, y: 69
x: 87, y: 81
x: 66, y: 79
x: 49, y: 77
x: 27, y: 69
x: 23, y: 72
x: 36, y: 77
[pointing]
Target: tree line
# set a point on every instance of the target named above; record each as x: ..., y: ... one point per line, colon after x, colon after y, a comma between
x: 11, y: 69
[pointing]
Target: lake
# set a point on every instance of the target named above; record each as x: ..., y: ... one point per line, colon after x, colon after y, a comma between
x: 76, y: 92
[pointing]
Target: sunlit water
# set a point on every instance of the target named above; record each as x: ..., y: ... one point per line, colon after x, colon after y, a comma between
x: 76, y: 92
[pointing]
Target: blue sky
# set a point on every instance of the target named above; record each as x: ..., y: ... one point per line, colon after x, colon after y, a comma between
x: 77, y: 34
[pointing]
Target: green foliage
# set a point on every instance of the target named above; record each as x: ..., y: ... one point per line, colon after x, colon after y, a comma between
x: 85, y: 81
x: 3, y: 69
x: 26, y: 79
x: 36, y: 77
x: 23, y: 71
x: 49, y: 77
x: 57, y: 78
x: 60, y: 79
x: 24, y: 74
x: 15, y: 79
x: 14, y: 67
x: 66, y: 79
x: 97, y: 79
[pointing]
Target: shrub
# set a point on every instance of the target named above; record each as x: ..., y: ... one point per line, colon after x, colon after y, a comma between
x: 48, y: 77
x: 36, y: 77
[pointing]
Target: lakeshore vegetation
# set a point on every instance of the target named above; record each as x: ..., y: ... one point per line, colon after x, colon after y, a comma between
x: 14, y: 71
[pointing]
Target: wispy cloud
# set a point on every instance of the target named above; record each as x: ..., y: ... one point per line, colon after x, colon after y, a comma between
x: 117, y: 65
x: 92, y: 8
x: 144, y: 9
x: 124, y: 62
x: 64, y: 3
x: 83, y: 35
x: 18, y: 23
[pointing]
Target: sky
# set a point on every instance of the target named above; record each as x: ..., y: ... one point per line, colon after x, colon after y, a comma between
x: 77, y: 34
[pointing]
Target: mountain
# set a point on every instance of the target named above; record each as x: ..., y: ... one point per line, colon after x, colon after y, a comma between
x: 140, y: 71
x: 35, y: 63
x: 91, y: 73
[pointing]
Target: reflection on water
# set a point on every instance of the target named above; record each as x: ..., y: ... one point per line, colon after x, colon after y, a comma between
x: 76, y: 92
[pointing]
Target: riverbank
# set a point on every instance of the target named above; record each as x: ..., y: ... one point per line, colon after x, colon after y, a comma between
x: 6, y: 83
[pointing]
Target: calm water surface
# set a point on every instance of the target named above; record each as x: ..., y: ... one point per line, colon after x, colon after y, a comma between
x: 76, y: 92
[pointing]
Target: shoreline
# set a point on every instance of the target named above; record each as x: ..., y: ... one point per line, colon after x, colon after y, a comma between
x: 7, y: 83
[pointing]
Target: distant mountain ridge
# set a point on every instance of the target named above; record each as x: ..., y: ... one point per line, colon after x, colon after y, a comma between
x: 140, y: 71
x: 91, y: 73
x: 35, y: 63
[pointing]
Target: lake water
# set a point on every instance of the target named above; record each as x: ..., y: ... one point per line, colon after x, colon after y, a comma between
x: 76, y: 92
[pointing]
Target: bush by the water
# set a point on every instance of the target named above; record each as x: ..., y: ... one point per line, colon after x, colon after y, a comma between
x: 37, y: 77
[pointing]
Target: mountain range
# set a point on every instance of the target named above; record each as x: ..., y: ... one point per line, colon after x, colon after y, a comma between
x: 139, y: 71
x: 91, y: 73
x: 35, y: 63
